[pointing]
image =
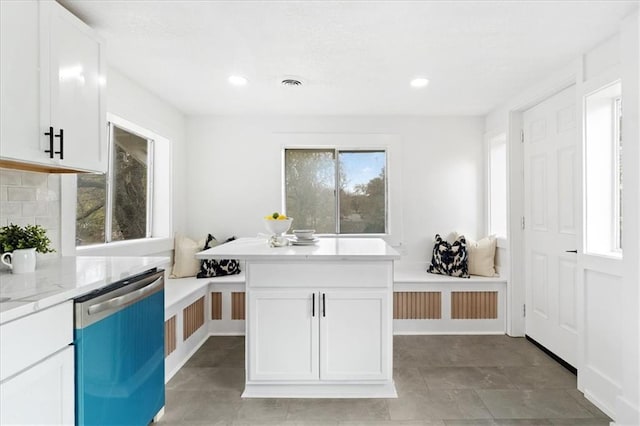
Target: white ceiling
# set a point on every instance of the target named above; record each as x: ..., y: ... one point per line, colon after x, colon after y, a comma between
x: 355, y: 57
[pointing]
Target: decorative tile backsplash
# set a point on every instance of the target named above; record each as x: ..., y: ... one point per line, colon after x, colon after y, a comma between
x: 31, y: 198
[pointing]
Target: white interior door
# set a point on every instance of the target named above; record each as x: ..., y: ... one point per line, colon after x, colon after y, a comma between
x: 552, y: 209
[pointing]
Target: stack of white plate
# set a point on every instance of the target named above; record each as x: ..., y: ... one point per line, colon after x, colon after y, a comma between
x: 304, y: 237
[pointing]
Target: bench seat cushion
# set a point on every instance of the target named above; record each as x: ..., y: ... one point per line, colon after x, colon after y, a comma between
x: 416, y: 272
x: 177, y: 289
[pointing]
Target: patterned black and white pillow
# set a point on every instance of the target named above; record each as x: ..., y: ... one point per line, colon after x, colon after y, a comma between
x: 217, y: 267
x: 450, y: 259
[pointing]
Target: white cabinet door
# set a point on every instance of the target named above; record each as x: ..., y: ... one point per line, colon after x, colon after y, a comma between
x: 20, y: 136
x: 42, y: 394
x: 354, y: 335
x: 283, y: 326
x: 74, y: 103
x: 52, y: 75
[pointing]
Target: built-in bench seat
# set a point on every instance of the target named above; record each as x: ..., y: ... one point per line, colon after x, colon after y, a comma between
x: 194, y: 310
x: 423, y: 303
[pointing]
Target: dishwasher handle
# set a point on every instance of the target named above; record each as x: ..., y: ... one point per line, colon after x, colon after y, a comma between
x: 126, y: 299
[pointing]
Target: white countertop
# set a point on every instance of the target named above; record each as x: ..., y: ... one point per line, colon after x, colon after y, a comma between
x: 58, y: 279
x: 324, y: 249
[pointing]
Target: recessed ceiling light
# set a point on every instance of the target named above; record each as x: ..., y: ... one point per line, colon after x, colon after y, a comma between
x: 419, y: 82
x: 237, y: 80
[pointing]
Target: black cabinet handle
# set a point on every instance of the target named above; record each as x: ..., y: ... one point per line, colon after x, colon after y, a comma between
x: 571, y: 251
x: 313, y: 304
x: 50, y: 134
x: 61, y: 136
x: 324, y: 306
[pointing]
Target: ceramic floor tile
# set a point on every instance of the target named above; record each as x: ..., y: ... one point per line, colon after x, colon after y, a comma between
x: 203, y: 407
x: 284, y: 423
x: 338, y: 409
x: 532, y: 404
x: 581, y: 422
x: 466, y: 378
x: 498, y: 422
x: 441, y: 380
x: 409, y: 382
x: 263, y: 409
x: 208, y: 379
x: 579, y: 397
x: 439, y: 404
x: 393, y: 423
x: 208, y: 358
x: 541, y: 377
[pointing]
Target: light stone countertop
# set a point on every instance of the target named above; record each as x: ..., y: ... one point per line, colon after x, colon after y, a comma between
x: 325, y: 249
x: 58, y: 279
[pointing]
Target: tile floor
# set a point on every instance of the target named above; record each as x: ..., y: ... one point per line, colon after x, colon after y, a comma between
x: 441, y: 380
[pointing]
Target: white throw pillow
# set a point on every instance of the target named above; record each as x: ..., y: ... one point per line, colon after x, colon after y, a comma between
x: 185, y: 263
x: 482, y: 255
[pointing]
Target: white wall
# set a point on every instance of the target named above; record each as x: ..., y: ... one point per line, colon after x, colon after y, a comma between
x: 129, y: 101
x: 234, y: 172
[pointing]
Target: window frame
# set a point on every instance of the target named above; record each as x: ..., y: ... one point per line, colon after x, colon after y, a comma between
x: 163, y: 201
x: 336, y: 153
x: 110, y: 184
x: 601, y: 144
x: 617, y: 178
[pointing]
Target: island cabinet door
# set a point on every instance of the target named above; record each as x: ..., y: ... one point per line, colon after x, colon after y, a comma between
x: 355, y: 330
x: 283, y: 335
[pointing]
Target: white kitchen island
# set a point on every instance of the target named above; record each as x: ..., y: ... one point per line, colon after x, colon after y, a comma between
x: 318, y: 318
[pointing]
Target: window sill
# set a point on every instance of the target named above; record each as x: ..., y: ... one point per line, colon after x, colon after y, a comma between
x: 612, y: 255
x: 141, y: 247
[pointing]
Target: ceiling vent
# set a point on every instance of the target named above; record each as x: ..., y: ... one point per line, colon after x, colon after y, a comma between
x: 291, y: 82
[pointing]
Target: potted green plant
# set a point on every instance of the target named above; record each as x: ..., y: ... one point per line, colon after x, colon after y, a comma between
x: 19, y: 245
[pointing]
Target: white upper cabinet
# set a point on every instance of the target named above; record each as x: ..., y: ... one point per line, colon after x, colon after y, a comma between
x: 53, y: 89
x: 19, y: 82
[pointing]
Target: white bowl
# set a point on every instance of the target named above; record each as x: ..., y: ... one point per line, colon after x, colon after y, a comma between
x: 278, y: 227
x: 304, y: 234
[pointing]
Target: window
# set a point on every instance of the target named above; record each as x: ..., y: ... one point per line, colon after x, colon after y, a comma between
x: 117, y: 206
x: 617, y: 137
x: 603, y: 169
x: 337, y: 191
x: 497, y: 185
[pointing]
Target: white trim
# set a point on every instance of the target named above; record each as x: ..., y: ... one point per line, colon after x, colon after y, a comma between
x: 319, y: 390
x: 138, y: 247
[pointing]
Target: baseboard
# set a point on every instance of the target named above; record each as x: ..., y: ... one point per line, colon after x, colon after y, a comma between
x: 627, y: 413
x: 226, y: 333
x: 600, y: 404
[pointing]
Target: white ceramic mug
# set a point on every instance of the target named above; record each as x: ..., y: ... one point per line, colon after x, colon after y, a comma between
x: 21, y: 261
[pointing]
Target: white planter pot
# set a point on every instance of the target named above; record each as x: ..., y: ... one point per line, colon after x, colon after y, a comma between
x: 20, y: 261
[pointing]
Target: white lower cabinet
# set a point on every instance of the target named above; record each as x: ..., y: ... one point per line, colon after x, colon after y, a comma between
x: 42, y: 394
x: 37, y: 368
x: 321, y: 336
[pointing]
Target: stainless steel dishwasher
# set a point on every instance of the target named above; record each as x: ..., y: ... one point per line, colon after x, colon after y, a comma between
x: 119, y: 339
